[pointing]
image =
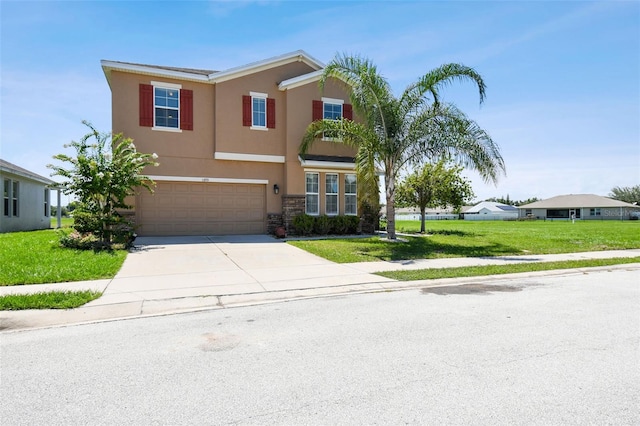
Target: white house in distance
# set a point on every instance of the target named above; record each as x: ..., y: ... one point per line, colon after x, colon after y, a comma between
x: 583, y: 206
x: 489, y: 210
x: 26, y: 199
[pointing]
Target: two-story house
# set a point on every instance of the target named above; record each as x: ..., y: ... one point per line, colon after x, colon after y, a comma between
x: 228, y: 142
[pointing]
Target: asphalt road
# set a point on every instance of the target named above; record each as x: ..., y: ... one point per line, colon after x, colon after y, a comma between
x: 553, y: 350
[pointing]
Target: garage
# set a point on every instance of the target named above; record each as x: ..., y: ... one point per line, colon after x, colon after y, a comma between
x: 194, y: 208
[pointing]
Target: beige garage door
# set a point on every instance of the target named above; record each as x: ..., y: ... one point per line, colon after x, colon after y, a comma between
x: 185, y: 208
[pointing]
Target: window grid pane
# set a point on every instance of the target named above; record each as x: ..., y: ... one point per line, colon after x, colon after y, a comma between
x: 7, y: 185
x: 15, y: 195
x: 332, y: 111
x: 312, y: 199
x: 259, y: 112
x: 350, y: 195
x: 166, y: 102
x: 331, y: 194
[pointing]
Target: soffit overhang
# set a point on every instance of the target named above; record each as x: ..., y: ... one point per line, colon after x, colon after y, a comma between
x: 208, y: 76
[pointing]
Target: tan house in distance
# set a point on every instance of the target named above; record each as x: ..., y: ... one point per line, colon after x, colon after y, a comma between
x: 227, y: 143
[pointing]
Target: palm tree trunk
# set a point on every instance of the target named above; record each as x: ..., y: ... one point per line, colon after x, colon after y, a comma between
x: 390, y: 187
x: 422, y: 213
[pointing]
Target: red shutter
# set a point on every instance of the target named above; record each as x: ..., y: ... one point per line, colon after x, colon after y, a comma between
x: 246, y: 110
x: 186, y: 109
x: 146, y: 105
x: 271, y: 113
x: 347, y: 111
x: 318, y: 110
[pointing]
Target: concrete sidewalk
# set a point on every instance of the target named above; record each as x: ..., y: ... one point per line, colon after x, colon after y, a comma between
x: 164, y: 275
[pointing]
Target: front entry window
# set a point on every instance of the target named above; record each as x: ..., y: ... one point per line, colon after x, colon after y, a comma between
x: 312, y: 201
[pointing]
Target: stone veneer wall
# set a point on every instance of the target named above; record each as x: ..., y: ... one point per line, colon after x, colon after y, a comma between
x: 274, y: 220
x: 292, y: 206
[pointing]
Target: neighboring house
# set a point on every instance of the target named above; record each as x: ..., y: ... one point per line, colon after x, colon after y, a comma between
x: 489, y: 210
x: 583, y: 206
x: 227, y: 144
x: 26, y: 199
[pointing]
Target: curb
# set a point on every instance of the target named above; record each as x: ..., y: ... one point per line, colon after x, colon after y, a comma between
x: 17, y: 321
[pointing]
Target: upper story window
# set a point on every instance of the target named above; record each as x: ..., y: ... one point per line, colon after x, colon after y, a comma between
x: 332, y: 109
x: 258, y: 111
x: 166, y: 106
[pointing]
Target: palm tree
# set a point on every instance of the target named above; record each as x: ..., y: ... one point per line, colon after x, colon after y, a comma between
x: 405, y: 131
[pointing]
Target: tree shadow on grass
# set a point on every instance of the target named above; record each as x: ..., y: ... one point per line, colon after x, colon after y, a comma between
x: 425, y: 248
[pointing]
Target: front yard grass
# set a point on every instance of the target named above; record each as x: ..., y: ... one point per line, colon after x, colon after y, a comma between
x: 36, y: 257
x: 47, y: 300
x: 476, y: 271
x: 458, y: 238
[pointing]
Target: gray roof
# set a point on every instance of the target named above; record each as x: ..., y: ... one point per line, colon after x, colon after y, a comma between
x: 162, y: 67
x: 575, y: 200
x: 492, y: 206
x: 8, y: 167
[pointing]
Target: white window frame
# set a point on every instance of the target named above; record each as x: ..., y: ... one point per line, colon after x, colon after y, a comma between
x: 261, y: 96
x: 350, y: 194
x: 596, y: 211
x: 6, y: 200
x: 15, y: 198
x: 334, y: 195
x: 168, y: 86
x: 331, y: 101
x: 308, y: 193
x: 47, y: 201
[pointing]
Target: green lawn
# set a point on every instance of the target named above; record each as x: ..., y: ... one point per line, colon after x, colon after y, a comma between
x: 458, y: 238
x: 36, y: 257
x: 65, y: 222
x: 47, y: 300
x: 476, y: 271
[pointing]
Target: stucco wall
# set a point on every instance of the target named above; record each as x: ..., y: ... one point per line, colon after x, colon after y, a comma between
x: 218, y: 128
x: 31, y: 214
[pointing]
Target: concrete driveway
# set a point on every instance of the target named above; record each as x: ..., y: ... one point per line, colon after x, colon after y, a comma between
x: 162, y: 268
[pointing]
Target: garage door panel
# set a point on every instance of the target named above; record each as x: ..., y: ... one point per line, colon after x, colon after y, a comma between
x: 180, y: 208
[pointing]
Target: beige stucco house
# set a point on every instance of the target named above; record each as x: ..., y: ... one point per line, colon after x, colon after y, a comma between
x: 579, y: 206
x: 228, y: 141
x: 25, y: 199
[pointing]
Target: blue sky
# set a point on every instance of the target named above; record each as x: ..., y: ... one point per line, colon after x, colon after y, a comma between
x: 563, y: 77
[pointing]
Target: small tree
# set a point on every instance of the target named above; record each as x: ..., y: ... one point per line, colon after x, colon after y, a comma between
x: 105, y: 170
x: 628, y: 194
x: 435, y: 185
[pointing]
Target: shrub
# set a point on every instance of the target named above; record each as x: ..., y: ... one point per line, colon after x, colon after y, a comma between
x: 303, y: 224
x: 338, y: 225
x: 352, y: 223
x: 322, y: 225
x: 79, y: 240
